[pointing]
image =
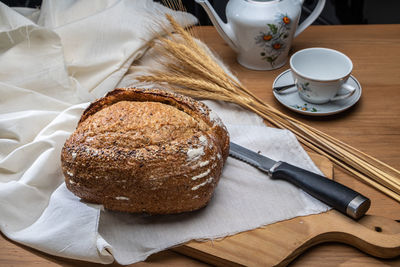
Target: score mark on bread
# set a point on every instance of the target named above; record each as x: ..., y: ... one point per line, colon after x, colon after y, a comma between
x: 152, y: 151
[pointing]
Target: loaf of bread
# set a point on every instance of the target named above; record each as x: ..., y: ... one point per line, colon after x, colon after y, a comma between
x: 152, y: 151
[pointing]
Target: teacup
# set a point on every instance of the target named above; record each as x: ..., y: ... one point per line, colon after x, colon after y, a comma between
x: 320, y: 73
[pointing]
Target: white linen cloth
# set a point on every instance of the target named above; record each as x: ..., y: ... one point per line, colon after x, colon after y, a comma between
x: 52, y: 62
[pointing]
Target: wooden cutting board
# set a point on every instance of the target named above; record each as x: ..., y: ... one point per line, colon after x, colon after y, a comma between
x: 279, y: 243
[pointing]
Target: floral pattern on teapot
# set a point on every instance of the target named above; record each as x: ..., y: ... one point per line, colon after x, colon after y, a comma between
x: 273, y: 40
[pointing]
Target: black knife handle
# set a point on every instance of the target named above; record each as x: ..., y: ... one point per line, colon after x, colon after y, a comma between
x: 332, y: 193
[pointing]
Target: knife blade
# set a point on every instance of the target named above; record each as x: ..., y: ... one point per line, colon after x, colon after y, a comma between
x: 334, y: 194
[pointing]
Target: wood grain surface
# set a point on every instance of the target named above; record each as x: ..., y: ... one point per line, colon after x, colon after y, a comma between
x: 372, y: 126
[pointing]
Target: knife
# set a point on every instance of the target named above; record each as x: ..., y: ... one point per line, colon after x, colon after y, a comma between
x: 328, y: 191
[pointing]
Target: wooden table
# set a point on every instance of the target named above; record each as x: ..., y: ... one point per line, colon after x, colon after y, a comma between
x: 372, y: 126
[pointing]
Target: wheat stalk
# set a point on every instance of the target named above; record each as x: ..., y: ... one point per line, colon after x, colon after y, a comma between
x: 191, y: 70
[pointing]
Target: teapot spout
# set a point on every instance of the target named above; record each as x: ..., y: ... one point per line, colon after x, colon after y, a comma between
x: 224, y: 29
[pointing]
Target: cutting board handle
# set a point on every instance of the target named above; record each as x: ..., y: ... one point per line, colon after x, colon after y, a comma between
x: 374, y: 235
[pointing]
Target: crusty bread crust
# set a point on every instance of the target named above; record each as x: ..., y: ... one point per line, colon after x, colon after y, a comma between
x: 146, y: 150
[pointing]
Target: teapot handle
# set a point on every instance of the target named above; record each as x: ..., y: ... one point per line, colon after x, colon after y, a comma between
x: 310, y: 19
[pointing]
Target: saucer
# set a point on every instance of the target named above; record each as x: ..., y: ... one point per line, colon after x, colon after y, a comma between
x: 291, y: 99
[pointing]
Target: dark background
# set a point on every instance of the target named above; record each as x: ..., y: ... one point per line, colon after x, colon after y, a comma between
x: 335, y: 11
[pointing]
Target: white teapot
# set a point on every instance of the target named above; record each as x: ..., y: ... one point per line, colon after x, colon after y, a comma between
x: 261, y: 31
